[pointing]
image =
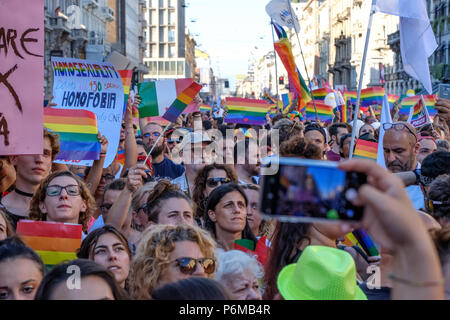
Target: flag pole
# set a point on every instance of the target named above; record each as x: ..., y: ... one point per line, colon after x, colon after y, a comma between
x: 304, y: 63
x: 361, y: 76
x: 275, y: 58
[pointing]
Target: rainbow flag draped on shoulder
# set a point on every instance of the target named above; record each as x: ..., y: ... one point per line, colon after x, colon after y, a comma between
x: 54, y: 242
x: 246, y: 111
x: 77, y: 131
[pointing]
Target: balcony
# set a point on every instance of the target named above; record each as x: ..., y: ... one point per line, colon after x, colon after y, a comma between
x: 393, y: 38
x: 59, y: 23
x: 93, y: 4
x: 80, y: 34
x: 108, y: 13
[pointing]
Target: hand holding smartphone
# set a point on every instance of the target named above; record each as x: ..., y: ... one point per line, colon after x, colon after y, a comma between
x: 310, y: 190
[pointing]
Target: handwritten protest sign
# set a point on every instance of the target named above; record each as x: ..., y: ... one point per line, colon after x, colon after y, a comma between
x: 94, y: 86
x: 21, y: 76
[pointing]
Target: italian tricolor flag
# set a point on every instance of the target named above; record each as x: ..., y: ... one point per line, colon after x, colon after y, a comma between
x: 158, y: 96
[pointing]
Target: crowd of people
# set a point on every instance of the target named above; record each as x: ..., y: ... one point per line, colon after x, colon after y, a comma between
x: 168, y: 228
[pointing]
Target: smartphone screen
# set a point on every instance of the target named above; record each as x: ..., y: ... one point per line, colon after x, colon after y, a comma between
x: 310, y: 190
x: 444, y: 91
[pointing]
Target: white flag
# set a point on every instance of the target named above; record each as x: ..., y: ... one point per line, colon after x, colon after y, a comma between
x: 280, y: 11
x: 385, y: 118
x: 417, y: 40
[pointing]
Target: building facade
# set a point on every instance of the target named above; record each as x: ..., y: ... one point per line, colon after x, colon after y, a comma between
x: 165, y: 39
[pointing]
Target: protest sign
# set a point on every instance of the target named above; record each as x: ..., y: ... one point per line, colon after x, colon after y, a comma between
x: 21, y: 77
x: 94, y: 86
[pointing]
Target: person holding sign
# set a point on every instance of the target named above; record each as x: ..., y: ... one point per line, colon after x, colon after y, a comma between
x: 30, y: 171
x: 62, y: 197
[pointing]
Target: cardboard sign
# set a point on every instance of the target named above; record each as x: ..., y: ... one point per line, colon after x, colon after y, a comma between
x: 21, y: 76
x: 94, y: 86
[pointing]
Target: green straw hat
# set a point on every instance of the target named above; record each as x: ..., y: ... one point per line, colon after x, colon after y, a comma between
x: 321, y: 273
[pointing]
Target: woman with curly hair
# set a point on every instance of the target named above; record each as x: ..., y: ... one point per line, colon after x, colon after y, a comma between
x: 168, y: 253
x: 210, y: 177
x: 62, y: 197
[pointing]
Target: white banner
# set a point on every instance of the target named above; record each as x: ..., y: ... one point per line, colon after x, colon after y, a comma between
x: 94, y: 86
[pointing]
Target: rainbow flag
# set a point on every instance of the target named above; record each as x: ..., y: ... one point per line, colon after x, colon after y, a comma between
x: 279, y: 30
x: 371, y: 96
x: 205, y: 107
x: 246, y: 111
x: 283, y: 48
x: 182, y: 101
x: 350, y: 96
x: 418, y: 115
x: 408, y: 102
x: 273, y: 110
x: 77, y: 131
x: 54, y: 242
x: 343, y: 110
x: 287, y: 99
x: 320, y: 94
x: 392, y: 98
x: 120, y: 157
x: 366, y: 149
x: 158, y: 96
x: 126, y: 76
x: 324, y: 112
x: 366, y: 242
x: 260, y: 249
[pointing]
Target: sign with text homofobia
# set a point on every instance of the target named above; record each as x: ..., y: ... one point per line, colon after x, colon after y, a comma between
x: 21, y: 76
x: 94, y: 86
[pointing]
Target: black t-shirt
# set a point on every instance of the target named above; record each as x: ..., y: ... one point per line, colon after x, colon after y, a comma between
x: 384, y: 293
x: 13, y: 218
x: 167, y: 169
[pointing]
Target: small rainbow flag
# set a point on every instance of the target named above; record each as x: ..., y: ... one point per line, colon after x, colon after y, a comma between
x: 182, y: 101
x: 408, y: 102
x: 77, y: 131
x: 392, y: 98
x: 286, y: 99
x: 371, y: 96
x: 366, y: 149
x: 126, y: 76
x: 246, y: 111
x: 120, y: 157
x: 418, y: 115
x: 366, y: 242
x: 343, y: 110
x: 320, y: 94
x: 205, y: 107
x: 324, y: 112
x: 350, y: 96
x: 54, y: 242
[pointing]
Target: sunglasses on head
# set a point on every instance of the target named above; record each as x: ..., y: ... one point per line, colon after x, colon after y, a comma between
x: 399, y: 126
x: 55, y: 190
x: 213, y: 182
x: 189, y: 265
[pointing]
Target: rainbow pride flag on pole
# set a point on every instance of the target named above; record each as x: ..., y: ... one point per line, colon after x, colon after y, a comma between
x: 205, y: 107
x: 324, y: 112
x: 409, y: 102
x: 320, y: 94
x: 158, y: 96
x: 287, y: 99
x: 283, y: 48
x: 361, y: 241
x: 54, y: 242
x: 350, y: 96
x: 126, y: 76
x: 246, y: 111
x: 182, y: 101
x: 343, y: 111
x: 366, y: 149
x: 77, y: 131
x: 371, y: 96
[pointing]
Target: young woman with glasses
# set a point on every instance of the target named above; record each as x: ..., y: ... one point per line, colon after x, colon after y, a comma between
x: 209, y: 178
x: 168, y: 253
x: 62, y: 197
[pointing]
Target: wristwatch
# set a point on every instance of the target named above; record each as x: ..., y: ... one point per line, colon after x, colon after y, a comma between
x: 417, y: 173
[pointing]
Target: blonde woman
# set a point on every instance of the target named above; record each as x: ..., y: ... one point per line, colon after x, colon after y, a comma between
x: 168, y: 253
x: 62, y: 197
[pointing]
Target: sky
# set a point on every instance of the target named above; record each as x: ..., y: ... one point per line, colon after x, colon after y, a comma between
x: 229, y: 31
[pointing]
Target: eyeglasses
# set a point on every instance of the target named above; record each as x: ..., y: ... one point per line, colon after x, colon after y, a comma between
x: 108, y: 177
x: 105, y: 207
x: 55, y: 190
x: 189, y: 265
x: 173, y: 141
x: 155, y: 134
x: 399, y: 126
x: 213, y: 182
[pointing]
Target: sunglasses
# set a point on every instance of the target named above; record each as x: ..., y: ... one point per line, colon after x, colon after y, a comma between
x: 189, y: 265
x: 55, y: 190
x: 399, y: 127
x: 155, y: 134
x: 173, y: 141
x: 214, y: 182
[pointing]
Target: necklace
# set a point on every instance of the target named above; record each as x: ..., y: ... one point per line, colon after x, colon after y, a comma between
x: 22, y: 193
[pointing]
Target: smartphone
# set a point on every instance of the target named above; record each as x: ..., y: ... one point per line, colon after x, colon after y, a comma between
x: 444, y: 91
x: 305, y: 190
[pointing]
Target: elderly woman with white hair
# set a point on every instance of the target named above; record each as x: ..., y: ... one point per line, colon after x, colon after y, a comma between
x: 239, y: 273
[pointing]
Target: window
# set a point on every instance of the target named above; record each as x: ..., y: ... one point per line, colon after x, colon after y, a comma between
x: 171, y: 35
x: 161, y: 17
x: 172, y: 51
x: 161, y: 68
x: 172, y: 67
x: 153, y: 51
x: 161, y: 50
x: 162, y: 37
x: 180, y: 68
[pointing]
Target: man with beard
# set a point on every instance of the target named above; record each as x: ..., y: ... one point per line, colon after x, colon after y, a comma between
x: 400, y: 151
x: 162, y: 166
x: 336, y: 130
x: 246, y: 161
